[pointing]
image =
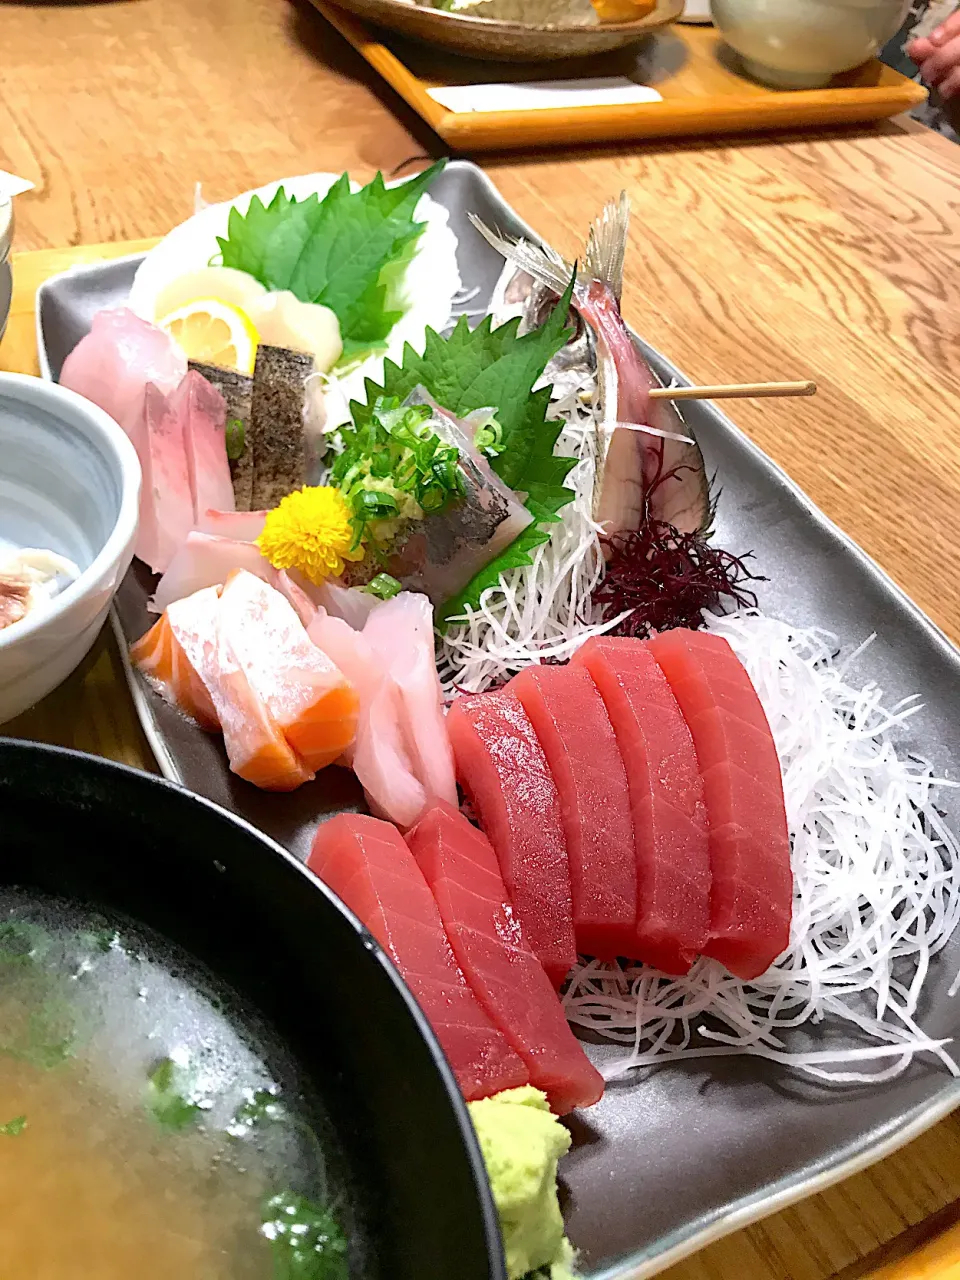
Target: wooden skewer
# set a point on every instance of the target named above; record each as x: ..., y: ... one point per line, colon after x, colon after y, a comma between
x: 735, y: 391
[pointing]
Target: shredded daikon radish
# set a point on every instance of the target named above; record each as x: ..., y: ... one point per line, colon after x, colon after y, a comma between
x: 877, y: 890
x: 543, y: 610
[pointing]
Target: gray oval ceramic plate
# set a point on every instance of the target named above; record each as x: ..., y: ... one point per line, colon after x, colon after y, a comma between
x: 668, y: 1161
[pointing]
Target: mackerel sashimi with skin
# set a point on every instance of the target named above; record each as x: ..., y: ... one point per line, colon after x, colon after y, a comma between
x: 572, y: 725
x: 666, y: 797
x: 751, y: 900
x: 502, y: 768
x: 508, y: 980
x: 367, y: 865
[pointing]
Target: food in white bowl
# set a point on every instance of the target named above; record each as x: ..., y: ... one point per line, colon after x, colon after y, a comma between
x: 69, y: 489
x: 803, y: 44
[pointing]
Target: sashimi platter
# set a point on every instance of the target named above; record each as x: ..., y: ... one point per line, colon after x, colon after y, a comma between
x: 633, y: 766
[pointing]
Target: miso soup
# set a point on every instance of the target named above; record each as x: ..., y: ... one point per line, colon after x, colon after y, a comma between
x: 148, y: 1126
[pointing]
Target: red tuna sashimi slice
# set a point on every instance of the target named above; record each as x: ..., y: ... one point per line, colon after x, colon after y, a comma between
x: 571, y: 722
x: 506, y: 977
x: 752, y: 898
x: 202, y: 411
x: 303, y: 692
x: 367, y: 865
x: 666, y: 800
x: 503, y: 770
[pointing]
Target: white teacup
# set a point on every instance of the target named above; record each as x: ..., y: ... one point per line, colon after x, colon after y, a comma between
x: 802, y: 44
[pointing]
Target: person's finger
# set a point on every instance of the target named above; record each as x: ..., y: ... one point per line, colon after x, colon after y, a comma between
x: 919, y: 50
x: 941, y: 62
x: 946, y: 30
x: 949, y: 87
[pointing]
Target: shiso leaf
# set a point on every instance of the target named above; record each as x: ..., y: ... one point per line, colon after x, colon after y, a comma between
x: 494, y: 368
x: 333, y: 251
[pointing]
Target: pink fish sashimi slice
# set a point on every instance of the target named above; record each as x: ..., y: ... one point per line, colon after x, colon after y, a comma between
x: 506, y: 977
x: 666, y: 799
x: 751, y: 902
x: 256, y: 749
x: 244, y: 526
x: 166, y: 504
x: 574, y: 730
x: 203, y: 414
x: 503, y: 770
x: 303, y: 692
x: 401, y: 632
x: 114, y: 362
x: 367, y: 865
x: 204, y: 560
x: 305, y: 609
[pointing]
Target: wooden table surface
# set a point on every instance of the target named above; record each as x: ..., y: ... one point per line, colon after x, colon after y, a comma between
x: 831, y: 257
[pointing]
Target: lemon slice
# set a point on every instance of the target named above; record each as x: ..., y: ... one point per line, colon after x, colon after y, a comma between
x: 215, y: 333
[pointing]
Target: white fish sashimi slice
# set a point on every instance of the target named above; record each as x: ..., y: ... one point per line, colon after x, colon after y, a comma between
x: 304, y: 607
x: 349, y: 603
x: 401, y: 631
x: 244, y: 526
x: 379, y: 756
x: 202, y: 411
x: 114, y: 362
x: 205, y: 560
x: 382, y: 763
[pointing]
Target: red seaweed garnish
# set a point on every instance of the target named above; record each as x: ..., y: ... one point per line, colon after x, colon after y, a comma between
x: 667, y: 578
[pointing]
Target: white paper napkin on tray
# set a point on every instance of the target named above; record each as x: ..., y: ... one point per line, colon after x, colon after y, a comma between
x: 539, y: 95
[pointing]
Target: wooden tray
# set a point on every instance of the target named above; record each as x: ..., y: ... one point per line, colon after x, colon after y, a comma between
x: 695, y: 73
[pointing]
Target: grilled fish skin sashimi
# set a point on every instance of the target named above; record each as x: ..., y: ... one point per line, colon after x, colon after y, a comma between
x: 367, y: 865
x: 659, y: 467
x: 509, y: 981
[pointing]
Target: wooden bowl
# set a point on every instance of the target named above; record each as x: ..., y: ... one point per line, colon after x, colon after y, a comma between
x: 510, y: 41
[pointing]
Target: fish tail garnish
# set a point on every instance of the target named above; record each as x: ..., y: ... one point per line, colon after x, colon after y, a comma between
x: 543, y: 263
x: 607, y: 244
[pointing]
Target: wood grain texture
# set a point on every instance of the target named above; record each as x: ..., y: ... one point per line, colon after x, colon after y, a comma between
x: 828, y: 257
x: 694, y: 71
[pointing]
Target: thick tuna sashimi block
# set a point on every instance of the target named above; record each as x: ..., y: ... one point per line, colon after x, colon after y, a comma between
x: 503, y: 770
x: 506, y: 977
x: 666, y: 799
x: 304, y: 693
x: 367, y: 865
x: 574, y: 730
x: 752, y: 897
x: 202, y: 411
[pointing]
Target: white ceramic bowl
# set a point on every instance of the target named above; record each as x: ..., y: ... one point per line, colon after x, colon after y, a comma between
x: 6, y: 278
x: 802, y: 44
x: 70, y: 483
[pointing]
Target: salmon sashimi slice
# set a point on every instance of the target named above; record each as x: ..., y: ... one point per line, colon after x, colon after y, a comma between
x: 160, y: 656
x: 401, y: 632
x: 503, y: 770
x: 571, y: 722
x: 255, y: 745
x: 302, y: 691
x: 666, y: 800
x: 751, y: 902
x: 506, y: 977
x: 367, y: 865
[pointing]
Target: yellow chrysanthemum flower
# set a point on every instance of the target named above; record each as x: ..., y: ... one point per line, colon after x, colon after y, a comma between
x: 310, y: 530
